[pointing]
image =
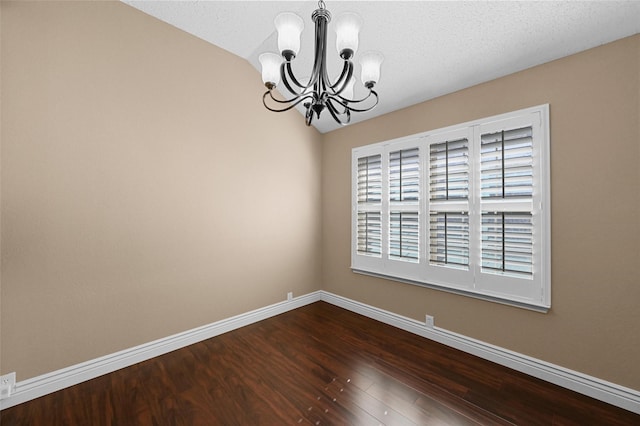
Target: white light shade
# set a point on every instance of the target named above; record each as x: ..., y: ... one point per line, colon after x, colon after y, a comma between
x: 289, y: 26
x: 347, y: 93
x: 270, y: 68
x: 370, y: 63
x: 347, y: 28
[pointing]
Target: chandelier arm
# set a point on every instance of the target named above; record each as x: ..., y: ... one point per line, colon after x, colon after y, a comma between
x: 373, y: 92
x: 343, y: 80
x: 308, y: 117
x: 289, y: 88
x: 339, y: 100
x: 296, y: 101
x: 285, y: 81
x: 332, y: 107
x: 358, y: 101
x: 285, y: 101
x: 293, y: 78
x: 335, y: 114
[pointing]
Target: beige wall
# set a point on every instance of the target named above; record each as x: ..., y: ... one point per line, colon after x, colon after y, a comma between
x: 145, y: 189
x: 593, y: 325
x: 134, y: 156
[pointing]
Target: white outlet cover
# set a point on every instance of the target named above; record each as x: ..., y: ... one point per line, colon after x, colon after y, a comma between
x: 8, y: 379
x: 7, y: 383
x: 429, y: 321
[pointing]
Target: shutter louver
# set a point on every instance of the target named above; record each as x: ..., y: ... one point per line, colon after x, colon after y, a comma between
x: 449, y: 170
x: 507, y: 243
x: 369, y: 233
x: 507, y: 164
x: 370, y: 179
x: 404, y: 175
x: 449, y: 239
x: 404, y: 237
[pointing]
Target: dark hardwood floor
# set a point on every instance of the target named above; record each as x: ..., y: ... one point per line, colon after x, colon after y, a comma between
x: 318, y: 365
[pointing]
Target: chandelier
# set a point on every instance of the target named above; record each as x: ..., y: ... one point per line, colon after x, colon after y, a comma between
x: 319, y: 93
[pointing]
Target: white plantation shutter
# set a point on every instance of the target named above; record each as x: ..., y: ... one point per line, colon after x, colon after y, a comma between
x: 506, y: 172
x: 449, y: 239
x: 507, y: 243
x: 507, y: 163
x: 449, y: 170
x: 369, y: 232
x: 513, y: 238
x: 404, y: 194
x: 369, y: 199
x: 370, y: 179
x: 404, y: 238
x: 464, y: 209
x: 404, y: 175
x: 449, y: 200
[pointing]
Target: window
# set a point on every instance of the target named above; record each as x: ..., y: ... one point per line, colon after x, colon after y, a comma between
x: 464, y: 209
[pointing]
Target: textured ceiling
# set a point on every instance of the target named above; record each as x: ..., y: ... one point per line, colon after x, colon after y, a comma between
x: 431, y: 48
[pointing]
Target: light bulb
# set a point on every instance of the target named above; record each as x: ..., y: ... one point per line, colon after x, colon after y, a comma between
x: 289, y: 26
x: 270, y: 69
x: 370, y: 63
x: 347, y: 28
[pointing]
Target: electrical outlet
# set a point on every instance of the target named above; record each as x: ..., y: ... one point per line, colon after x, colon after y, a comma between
x: 429, y: 321
x: 290, y: 295
x: 7, y: 383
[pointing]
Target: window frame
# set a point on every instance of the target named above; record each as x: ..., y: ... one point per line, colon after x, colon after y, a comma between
x: 533, y: 293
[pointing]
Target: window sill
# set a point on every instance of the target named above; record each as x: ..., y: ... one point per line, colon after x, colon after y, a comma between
x: 532, y: 307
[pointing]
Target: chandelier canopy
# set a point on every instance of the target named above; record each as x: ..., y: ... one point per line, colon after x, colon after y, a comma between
x: 319, y: 93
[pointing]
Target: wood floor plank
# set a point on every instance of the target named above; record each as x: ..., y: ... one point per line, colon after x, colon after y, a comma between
x: 316, y: 365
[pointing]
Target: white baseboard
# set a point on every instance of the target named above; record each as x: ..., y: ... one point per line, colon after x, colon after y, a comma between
x: 47, y: 383
x: 611, y: 393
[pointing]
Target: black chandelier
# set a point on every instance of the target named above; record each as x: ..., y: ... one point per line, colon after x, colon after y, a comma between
x: 319, y: 93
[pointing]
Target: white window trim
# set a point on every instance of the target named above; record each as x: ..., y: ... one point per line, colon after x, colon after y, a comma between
x: 471, y: 283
